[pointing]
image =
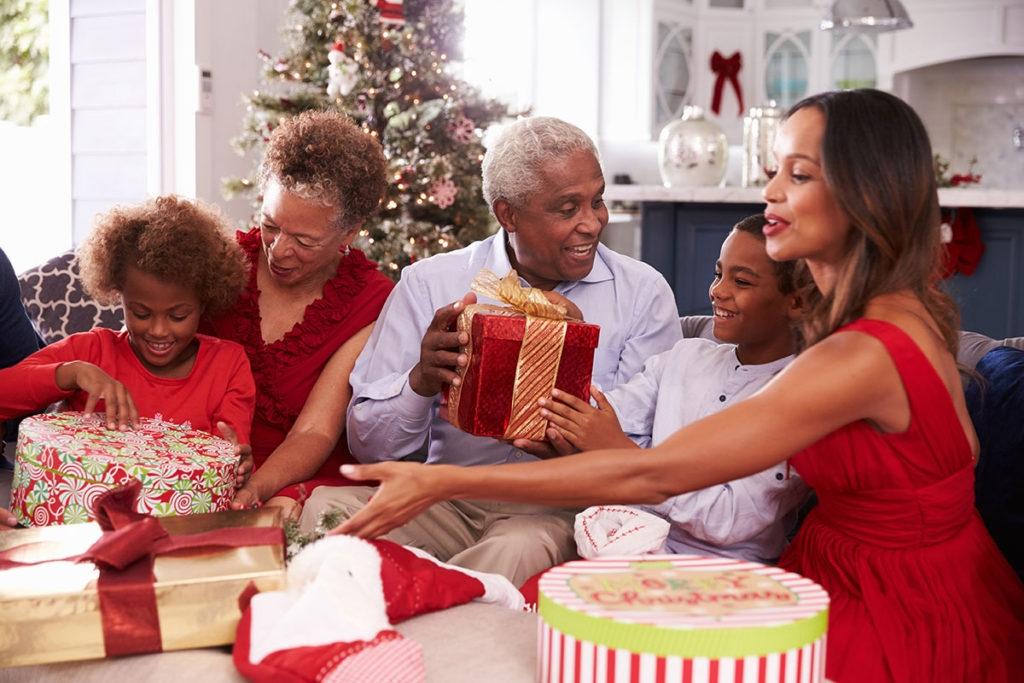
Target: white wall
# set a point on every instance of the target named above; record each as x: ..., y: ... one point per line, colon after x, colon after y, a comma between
x: 223, y: 37
x: 971, y: 108
x: 108, y: 107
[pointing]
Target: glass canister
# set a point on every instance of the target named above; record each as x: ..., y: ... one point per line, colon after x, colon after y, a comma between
x: 692, y: 151
x: 759, y: 128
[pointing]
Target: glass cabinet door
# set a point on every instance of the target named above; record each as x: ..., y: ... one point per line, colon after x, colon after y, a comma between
x: 853, y: 63
x: 672, y: 58
x: 787, y: 66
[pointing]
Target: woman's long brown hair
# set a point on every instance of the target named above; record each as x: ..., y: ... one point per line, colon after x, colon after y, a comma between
x: 877, y: 162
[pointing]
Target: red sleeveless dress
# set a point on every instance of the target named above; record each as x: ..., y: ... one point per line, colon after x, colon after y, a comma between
x: 286, y: 370
x: 919, y: 590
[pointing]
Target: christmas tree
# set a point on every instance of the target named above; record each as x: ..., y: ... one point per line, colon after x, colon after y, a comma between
x: 389, y: 66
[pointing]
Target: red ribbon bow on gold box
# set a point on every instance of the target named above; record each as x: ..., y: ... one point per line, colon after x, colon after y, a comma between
x: 131, y: 583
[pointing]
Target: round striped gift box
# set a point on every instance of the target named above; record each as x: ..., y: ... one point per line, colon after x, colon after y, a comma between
x: 661, y: 618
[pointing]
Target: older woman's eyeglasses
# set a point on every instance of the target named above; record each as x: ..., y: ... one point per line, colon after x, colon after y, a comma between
x: 300, y: 241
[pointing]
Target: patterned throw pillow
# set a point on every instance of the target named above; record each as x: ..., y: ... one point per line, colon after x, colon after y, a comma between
x: 58, y: 305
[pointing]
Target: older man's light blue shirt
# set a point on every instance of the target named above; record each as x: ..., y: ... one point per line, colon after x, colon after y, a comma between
x: 387, y: 420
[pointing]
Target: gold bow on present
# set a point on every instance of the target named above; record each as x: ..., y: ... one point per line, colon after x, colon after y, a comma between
x: 539, y: 356
x: 508, y: 290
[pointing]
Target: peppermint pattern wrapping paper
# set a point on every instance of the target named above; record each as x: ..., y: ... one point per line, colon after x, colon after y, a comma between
x: 662, y: 618
x: 63, y: 461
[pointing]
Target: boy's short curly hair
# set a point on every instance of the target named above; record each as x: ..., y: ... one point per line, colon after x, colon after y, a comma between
x: 324, y: 157
x: 790, y: 277
x: 171, y: 238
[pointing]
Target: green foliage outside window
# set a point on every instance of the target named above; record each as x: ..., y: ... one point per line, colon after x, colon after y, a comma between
x: 24, y: 59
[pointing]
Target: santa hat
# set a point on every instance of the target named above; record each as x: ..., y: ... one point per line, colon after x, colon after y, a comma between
x: 612, y: 530
x: 334, y: 621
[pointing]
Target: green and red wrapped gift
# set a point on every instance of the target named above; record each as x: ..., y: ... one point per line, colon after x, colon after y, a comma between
x: 64, y: 461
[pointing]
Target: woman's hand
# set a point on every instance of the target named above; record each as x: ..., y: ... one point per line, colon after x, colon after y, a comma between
x: 243, y: 451
x: 120, y: 409
x: 246, y: 498
x: 7, y: 519
x: 290, y: 508
x: 582, y: 425
x: 406, y: 489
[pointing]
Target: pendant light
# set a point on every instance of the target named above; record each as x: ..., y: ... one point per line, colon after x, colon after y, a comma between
x: 867, y: 15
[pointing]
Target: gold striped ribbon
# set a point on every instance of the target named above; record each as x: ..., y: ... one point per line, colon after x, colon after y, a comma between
x: 539, y: 356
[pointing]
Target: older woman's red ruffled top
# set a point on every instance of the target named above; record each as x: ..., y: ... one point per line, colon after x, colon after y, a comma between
x: 286, y: 370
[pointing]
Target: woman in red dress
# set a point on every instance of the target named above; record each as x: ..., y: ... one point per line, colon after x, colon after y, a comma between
x: 872, y: 413
x: 310, y: 302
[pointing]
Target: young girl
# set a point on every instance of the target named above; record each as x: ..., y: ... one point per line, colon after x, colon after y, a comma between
x: 167, y: 261
x: 872, y: 415
x: 755, y: 303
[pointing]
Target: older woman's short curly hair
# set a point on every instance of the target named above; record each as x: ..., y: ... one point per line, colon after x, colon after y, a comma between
x: 171, y: 238
x: 323, y: 156
x: 511, y: 165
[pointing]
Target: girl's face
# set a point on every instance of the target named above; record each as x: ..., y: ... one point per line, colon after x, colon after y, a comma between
x: 804, y: 220
x: 162, y: 319
x: 300, y: 241
x: 749, y: 309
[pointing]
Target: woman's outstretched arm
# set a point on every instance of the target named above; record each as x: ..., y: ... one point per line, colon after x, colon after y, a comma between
x: 847, y: 377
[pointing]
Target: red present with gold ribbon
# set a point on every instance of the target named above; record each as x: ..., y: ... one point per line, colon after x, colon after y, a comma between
x: 131, y: 583
x: 517, y: 354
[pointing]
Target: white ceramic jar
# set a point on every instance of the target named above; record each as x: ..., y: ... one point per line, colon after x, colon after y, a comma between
x: 692, y: 151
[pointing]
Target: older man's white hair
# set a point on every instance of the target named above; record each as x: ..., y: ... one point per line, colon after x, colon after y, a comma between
x: 511, y: 166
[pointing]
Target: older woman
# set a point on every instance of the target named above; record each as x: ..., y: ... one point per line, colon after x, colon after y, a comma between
x: 310, y: 302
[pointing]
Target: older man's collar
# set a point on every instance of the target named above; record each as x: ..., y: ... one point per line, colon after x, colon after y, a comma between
x: 498, y: 262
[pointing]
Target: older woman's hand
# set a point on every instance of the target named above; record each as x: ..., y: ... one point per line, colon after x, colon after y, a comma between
x: 243, y: 451
x: 406, y: 489
x: 439, y: 351
x: 7, y: 519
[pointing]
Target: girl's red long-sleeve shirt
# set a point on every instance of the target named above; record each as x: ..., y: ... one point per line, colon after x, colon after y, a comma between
x: 220, y: 386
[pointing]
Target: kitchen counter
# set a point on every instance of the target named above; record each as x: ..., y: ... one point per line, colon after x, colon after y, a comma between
x: 950, y: 197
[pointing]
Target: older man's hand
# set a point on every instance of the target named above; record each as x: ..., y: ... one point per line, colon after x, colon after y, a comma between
x: 440, y: 355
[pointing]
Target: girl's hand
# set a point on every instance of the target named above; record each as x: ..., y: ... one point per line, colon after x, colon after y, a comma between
x: 583, y: 426
x: 7, y: 519
x: 120, y: 409
x: 243, y: 451
x: 406, y: 489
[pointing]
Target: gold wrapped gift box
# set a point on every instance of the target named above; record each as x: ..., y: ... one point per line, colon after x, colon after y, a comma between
x: 50, y: 612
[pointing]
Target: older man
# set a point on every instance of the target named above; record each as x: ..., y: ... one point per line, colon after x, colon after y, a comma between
x: 543, y: 181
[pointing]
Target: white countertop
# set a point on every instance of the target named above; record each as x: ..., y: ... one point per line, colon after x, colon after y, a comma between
x: 950, y: 197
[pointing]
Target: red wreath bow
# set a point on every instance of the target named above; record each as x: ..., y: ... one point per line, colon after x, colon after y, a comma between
x: 965, y: 248
x: 726, y: 69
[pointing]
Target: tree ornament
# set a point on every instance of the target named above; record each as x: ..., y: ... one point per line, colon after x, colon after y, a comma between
x: 342, y: 74
x: 391, y: 13
x: 443, y: 192
x: 462, y: 129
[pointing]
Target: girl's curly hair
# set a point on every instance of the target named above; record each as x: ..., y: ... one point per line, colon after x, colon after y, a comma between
x: 324, y: 157
x: 171, y: 238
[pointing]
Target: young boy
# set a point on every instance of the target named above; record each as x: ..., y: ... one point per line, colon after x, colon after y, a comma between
x: 755, y: 302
